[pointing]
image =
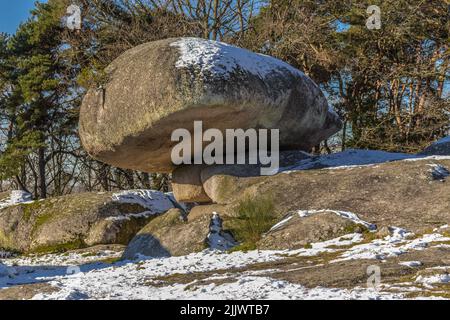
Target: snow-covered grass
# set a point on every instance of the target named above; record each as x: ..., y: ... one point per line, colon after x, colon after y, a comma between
x: 69, y: 258
x: 390, y: 246
x: 244, y: 287
x: 328, y: 246
x: 134, y: 279
x: 130, y: 280
x: 429, y: 281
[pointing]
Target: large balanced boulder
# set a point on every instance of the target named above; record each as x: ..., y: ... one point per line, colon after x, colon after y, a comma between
x: 79, y: 220
x: 158, y: 87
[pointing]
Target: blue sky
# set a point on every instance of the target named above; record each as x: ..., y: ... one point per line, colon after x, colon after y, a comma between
x: 13, y: 12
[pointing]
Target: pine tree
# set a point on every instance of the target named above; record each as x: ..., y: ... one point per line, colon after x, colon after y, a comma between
x: 36, y: 93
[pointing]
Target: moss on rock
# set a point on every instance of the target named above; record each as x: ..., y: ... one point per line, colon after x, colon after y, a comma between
x: 69, y: 222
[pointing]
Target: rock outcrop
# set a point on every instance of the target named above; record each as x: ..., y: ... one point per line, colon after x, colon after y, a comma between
x: 203, y: 184
x: 79, y: 220
x: 400, y: 193
x: 172, y: 234
x: 158, y: 87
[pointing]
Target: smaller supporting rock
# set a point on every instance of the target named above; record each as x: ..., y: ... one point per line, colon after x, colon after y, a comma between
x: 187, y: 184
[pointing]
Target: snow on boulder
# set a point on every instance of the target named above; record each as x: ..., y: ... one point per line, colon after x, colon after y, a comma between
x: 154, y: 201
x: 161, y: 86
x: 301, y: 228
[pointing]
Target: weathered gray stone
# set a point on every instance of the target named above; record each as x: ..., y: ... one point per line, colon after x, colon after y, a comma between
x: 161, y: 86
x: 187, y: 184
x: 76, y: 221
x: 223, y: 183
x: 170, y: 235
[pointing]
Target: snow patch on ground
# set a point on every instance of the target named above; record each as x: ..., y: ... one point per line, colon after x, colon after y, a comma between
x: 411, y: 264
x: 329, y: 245
x: 390, y: 246
x: 434, y: 279
x: 244, y: 287
x: 445, y: 226
x: 439, y: 172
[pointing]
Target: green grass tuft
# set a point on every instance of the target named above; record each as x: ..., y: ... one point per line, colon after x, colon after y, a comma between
x: 253, y: 218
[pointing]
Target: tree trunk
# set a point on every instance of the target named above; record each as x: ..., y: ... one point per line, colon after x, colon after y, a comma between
x: 42, y: 182
x: 344, y: 136
x: 146, y: 180
x: 20, y: 184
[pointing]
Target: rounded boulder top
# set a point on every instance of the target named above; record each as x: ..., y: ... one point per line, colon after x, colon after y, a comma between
x: 158, y: 87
